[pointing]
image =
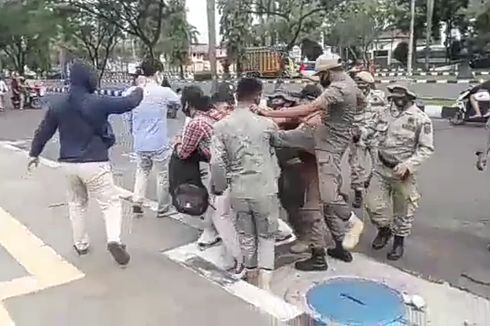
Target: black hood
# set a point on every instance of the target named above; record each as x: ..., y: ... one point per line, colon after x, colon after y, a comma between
x: 83, y: 76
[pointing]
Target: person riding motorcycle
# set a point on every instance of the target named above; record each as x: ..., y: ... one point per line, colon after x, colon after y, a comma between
x: 480, y: 93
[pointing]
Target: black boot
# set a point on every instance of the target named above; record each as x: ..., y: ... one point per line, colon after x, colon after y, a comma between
x: 384, y: 235
x: 339, y: 252
x: 357, y: 199
x: 397, y: 251
x: 316, y: 262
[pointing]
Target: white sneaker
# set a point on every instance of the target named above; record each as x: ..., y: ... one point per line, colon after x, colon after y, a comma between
x: 265, y: 278
x: 353, y: 232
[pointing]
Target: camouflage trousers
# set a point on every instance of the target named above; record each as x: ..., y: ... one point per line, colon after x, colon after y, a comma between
x: 313, y: 228
x: 360, y: 173
x: 257, y: 225
x: 325, y: 186
x: 391, y: 202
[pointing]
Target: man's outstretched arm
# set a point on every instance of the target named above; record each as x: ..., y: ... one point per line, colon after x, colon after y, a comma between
x: 43, y: 133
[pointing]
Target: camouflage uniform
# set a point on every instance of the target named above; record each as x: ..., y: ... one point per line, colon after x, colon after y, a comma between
x: 357, y: 154
x: 312, y: 225
x: 407, y: 139
x: 375, y: 104
x: 242, y: 156
x: 339, y: 103
x: 328, y: 141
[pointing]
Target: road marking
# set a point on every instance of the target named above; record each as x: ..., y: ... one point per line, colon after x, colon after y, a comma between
x: 45, y: 266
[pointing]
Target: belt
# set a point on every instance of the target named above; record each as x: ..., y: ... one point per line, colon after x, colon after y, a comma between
x: 386, y: 162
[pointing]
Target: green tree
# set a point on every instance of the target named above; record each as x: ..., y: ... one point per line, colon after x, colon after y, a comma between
x: 89, y: 37
x: 449, y: 12
x: 371, y: 18
x: 140, y: 18
x: 479, y: 13
x: 26, y: 30
x: 178, y: 37
x: 289, y: 21
x: 235, y: 29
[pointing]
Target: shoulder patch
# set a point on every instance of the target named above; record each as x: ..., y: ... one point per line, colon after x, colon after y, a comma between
x: 427, y: 128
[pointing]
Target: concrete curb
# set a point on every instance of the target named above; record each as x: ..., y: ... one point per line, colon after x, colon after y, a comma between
x: 304, y: 81
x: 430, y: 73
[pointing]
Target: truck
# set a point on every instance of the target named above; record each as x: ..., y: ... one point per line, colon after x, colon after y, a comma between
x: 266, y: 62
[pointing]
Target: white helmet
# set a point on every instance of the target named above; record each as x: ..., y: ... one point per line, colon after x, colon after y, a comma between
x: 325, y: 63
x: 365, y: 76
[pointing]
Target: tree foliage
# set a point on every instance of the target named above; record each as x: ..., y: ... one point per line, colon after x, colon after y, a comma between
x: 140, y: 18
x: 289, y: 21
x: 26, y: 29
x: 235, y: 30
x: 356, y: 25
x: 90, y: 37
x: 178, y: 35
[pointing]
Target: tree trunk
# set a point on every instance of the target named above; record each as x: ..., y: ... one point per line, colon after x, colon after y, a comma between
x: 181, y: 71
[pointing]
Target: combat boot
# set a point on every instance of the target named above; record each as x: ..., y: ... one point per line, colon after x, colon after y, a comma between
x: 316, y: 262
x: 339, y: 252
x: 397, y: 251
x: 382, y: 238
x: 357, y: 203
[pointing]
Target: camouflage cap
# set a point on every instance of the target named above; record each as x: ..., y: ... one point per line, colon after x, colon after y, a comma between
x: 400, y: 91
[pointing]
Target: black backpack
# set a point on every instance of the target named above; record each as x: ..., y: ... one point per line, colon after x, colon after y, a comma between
x: 189, y: 195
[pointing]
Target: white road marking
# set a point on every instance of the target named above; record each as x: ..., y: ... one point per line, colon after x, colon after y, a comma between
x: 45, y: 266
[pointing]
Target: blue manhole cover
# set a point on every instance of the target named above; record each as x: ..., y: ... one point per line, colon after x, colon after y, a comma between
x: 354, y: 301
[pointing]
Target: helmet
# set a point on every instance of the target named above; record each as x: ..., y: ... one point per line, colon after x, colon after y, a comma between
x: 400, y: 91
x: 364, y: 77
x: 325, y: 63
x: 311, y: 92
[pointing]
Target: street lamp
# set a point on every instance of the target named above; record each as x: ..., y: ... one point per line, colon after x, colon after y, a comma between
x: 410, y: 43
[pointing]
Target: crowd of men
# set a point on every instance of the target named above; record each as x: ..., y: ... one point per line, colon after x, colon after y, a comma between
x: 265, y: 162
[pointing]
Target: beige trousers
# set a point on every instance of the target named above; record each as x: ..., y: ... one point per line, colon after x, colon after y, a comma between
x: 94, y: 180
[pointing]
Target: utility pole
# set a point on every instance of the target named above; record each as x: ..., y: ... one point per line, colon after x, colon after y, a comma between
x: 410, y: 42
x: 212, y: 42
x: 428, y: 32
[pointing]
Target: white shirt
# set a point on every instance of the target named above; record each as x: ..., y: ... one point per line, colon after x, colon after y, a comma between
x: 3, y: 87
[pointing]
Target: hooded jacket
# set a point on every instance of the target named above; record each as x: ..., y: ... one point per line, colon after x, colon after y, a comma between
x: 81, y: 118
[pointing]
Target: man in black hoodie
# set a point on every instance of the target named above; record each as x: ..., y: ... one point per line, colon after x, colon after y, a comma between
x: 81, y: 118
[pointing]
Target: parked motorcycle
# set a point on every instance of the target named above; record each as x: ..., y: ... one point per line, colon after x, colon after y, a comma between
x: 462, y: 110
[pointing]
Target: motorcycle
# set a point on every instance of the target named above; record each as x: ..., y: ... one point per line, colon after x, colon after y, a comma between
x: 33, y: 98
x: 460, y: 113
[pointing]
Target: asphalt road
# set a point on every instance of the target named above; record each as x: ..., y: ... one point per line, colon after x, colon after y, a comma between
x: 452, y: 227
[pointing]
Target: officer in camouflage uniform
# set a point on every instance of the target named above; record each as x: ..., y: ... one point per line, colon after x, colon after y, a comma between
x: 337, y: 104
x: 405, y: 140
x: 242, y: 156
x: 360, y: 146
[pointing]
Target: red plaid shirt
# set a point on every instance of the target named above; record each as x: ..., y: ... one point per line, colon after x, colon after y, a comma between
x: 198, y: 132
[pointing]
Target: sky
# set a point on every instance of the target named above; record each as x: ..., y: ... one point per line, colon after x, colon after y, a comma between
x: 196, y: 15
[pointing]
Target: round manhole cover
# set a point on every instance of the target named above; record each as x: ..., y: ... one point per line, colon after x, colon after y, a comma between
x: 354, y: 301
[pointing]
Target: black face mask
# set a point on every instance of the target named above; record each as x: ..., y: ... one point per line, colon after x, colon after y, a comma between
x: 325, y: 81
x: 400, y: 103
